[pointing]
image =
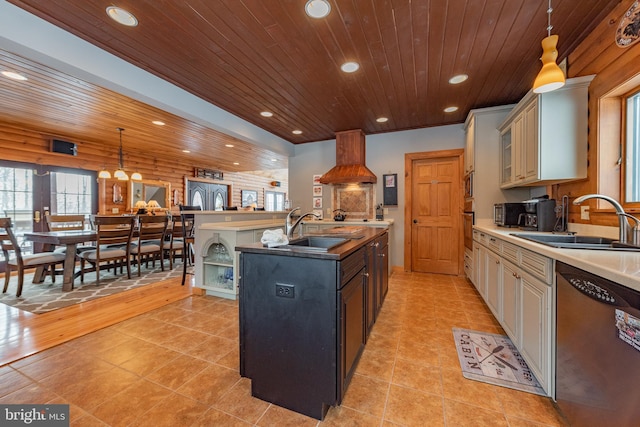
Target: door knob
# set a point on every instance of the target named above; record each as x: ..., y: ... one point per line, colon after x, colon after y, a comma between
x: 36, y: 218
x: 415, y: 221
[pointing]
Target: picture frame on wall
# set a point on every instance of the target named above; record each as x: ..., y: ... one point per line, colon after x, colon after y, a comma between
x: 249, y: 198
x: 318, y: 213
x: 317, y: 202
x: 317, y: 190
x: 316, y: 179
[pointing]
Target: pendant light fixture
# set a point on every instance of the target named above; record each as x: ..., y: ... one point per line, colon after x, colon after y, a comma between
x: 551, y: 76
x: 120, y: 173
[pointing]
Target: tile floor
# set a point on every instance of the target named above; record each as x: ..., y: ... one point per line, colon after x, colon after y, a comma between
x: 178, y: 366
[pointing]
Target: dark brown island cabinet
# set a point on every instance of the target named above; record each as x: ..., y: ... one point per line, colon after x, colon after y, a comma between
x: 305, y: 317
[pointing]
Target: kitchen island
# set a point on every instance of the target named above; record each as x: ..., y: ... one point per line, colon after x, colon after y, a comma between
x: 305, y: 315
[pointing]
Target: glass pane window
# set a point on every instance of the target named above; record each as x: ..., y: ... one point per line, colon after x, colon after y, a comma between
x: 632, y: 161
x: 71, y: 193
x: 273, y: 201
x: 16, y: 202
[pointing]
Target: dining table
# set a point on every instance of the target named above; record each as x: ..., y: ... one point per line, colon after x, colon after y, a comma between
x: 70, y: 240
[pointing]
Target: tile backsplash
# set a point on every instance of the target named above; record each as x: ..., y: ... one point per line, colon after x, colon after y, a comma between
x: 357, y: 200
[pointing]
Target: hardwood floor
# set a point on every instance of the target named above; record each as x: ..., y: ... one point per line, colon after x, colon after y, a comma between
x: 25, y: 333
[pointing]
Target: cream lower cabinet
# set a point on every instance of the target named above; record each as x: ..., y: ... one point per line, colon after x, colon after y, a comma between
x: 493, y: 276
x: 516, y: 284
x: 535, y: 322
x: 510, y: 302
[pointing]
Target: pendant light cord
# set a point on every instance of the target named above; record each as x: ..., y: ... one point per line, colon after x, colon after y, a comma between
x: 549, y: 26
x: 121, y: 162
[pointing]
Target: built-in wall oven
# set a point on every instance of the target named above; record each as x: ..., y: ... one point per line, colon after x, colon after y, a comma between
x: 467, y: 223
x: 468, y: 186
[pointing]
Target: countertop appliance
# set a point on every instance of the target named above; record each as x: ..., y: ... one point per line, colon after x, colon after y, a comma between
x: 540, y: 214
x: 507, y: 214
x: 598, y: 349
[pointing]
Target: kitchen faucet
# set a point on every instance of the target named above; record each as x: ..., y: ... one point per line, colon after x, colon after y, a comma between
x: 289, y: 227
x: 624, y: 229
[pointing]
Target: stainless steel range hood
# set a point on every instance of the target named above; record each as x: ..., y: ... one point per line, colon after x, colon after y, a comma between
x: 350, y: 160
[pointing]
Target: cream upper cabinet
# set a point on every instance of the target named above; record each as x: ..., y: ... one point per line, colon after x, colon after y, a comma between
x: 548, y: 137
x: 469, y: 155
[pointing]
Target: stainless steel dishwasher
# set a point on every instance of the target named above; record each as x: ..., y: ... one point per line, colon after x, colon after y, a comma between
x: 598, y: 350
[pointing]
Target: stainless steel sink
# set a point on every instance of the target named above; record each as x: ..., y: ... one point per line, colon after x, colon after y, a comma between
x: 568, y: 241
x: 315, y: 243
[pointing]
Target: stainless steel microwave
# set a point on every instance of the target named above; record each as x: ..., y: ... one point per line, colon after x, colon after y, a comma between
x: 507, y: 214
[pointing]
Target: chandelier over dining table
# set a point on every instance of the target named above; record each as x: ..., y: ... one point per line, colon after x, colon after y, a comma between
x: 120, y: 173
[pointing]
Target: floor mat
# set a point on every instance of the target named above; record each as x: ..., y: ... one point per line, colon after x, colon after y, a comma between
x: 44, y: 297
x: 493, y: 359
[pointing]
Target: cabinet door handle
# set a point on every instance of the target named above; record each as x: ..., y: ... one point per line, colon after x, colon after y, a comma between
x: 381, y: 255
x: 365, y: 274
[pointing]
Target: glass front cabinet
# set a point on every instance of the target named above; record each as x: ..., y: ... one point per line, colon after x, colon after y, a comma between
x: 216, y: 261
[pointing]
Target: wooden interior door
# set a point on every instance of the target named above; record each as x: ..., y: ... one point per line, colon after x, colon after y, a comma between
x: 433, y: 213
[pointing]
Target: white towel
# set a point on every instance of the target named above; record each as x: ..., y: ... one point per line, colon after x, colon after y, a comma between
x: 273, y: 238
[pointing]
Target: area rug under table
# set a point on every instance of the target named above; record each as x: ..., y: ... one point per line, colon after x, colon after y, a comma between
x: 493, y: 359
x: 44, y: 297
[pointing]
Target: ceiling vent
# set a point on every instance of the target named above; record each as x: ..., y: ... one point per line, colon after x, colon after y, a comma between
x: 350, y: 160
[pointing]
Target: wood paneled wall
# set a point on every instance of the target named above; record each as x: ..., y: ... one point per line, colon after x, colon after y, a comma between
x: 613, y: 65
x: 22, y: 145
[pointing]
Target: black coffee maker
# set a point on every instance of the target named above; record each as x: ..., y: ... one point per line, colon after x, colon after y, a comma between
x: 540, y: 214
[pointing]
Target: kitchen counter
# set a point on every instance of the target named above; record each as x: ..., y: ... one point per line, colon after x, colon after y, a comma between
x: 242, y: 225
x: 618, y: 266
x: 355, y: 242
x: 369, y: 222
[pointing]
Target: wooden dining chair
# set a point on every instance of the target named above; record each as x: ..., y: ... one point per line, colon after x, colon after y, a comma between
x: 113, y: 244
x: 150, y: 241
x: 21, y: 262
x: 188, y: 232
x: 65, y: 222
x: 174, y: 244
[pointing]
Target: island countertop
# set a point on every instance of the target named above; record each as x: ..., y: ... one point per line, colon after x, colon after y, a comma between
x: 353, y: 243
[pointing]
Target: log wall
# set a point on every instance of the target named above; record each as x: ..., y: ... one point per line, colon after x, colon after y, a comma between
x: 23, y: 145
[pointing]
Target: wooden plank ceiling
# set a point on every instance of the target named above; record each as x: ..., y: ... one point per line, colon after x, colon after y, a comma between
x: 248, y: 56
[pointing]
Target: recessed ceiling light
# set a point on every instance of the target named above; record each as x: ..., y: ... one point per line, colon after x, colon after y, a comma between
x: 450, y: 109
x: 350, y: 67
x: 158, y: 122
x: 296, y: 132
x: 122, y: 16
x: 381, y: 119
x: 317, y: 8
x: 266, y: 114
x: 13, y: 75
x: 458, y: 79
x: 229, y: 145
x: 236, y: 163
x: 186, y: 151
